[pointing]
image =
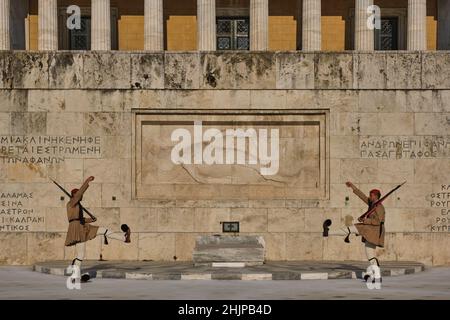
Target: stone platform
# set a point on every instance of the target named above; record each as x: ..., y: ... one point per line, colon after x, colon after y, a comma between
x: 274, y: 270
x: 231, y: 250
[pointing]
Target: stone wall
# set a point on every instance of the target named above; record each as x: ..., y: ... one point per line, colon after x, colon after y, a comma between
x: 69, y: 115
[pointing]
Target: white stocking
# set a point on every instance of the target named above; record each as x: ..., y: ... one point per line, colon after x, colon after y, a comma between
x: 372, y: 257
x: 80, y: 249
x: 110, y: 234
x: 342, y: 231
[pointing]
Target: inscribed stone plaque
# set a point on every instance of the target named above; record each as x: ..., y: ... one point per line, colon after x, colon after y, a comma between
x: 213, y: 156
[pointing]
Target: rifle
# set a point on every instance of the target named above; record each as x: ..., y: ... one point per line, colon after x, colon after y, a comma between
x: 379, y: 201
x: 70, y: 196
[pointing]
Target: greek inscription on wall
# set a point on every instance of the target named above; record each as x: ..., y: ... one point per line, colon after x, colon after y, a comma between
x: 17, y: 214
x: 440, y: 201
x: 396, y: 147
x: 48, y: 149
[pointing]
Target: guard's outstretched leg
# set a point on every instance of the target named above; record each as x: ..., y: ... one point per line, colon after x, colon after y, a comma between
x: 344, y: 231
x: 124, y: 236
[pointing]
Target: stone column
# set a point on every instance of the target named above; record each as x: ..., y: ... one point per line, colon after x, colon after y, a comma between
x: 206, y: 25
x: 417, y: 27
x: 153, y: 25
x: 101, y: 25
x: 259, y: 25
x: 5, y: 40
x: 311, y: 20
x: 364, y: 37
x: 48, y: 25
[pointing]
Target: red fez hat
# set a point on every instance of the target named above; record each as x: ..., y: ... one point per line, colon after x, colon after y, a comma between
x: 74, y: 191
x: 376, y: 191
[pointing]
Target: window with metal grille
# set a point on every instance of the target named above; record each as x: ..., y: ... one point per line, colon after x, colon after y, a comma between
x: 386, y: 38
x: 80, y: 39
x: 233, y: 33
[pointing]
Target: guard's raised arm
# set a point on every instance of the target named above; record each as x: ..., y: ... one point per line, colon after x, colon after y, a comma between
x: 77, y: 196
x: 358, y: 192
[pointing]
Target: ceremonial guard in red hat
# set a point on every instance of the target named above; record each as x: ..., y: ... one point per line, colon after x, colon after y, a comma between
x: 80, y: 229
x: 370, y: 226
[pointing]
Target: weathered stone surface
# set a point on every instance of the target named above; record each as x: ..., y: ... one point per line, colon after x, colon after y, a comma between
x: 56, y: 220
x: 435, y: 70
x: 156, y: 246
x: 104, y: 170
x: 441, y: 101
x: 432, y: 123
x: 13, y: 248
x: 30, y: 123
x: 140, y: 219
x: 65, y: 124
x: 176, y: 220
x: 69, y: 171
x: 409, y: 246
x: 344, y: 147
x: 396, y: 124
x: 359, y: 170
x: 275, y: 246
x: 231, y: 99
x: 370, y: 70
x: 112, y: 101
x: 5, y: 123
x: 106, y: 70
x: 404, y: 70
x: 295, y: 70
x: 392, y: 171
x: 411, y: 196
x: 420, y: 100
x: 13, y: 100
x: 117, y: 147
x: 210, y: 219
x: 147, y: 71
x: 251, y: 220
x: 120, y: 250
x: 107, y: 123
x: 338, y: 100
x: 399, y: 220
x: 114, y: 195
x: 144, y: 99
x: 333, y: 71
x: 6, y: 76
x: 65, y: 70
x: 286, y: 220
x: 302, y: 99
x: 182, y: 70
x: 184, y: 246
x: 82, y: 100
x: 46, y: 100
x: 432, y: 171
x: 237, y: 71
x: 190, y: 99
x: 303, y: 246
x: 45, y: 246
x: 267, y: 99
x: 209, y: 249
x: 350, y: 123
x: 381, y: 101
x: 30, y: 70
